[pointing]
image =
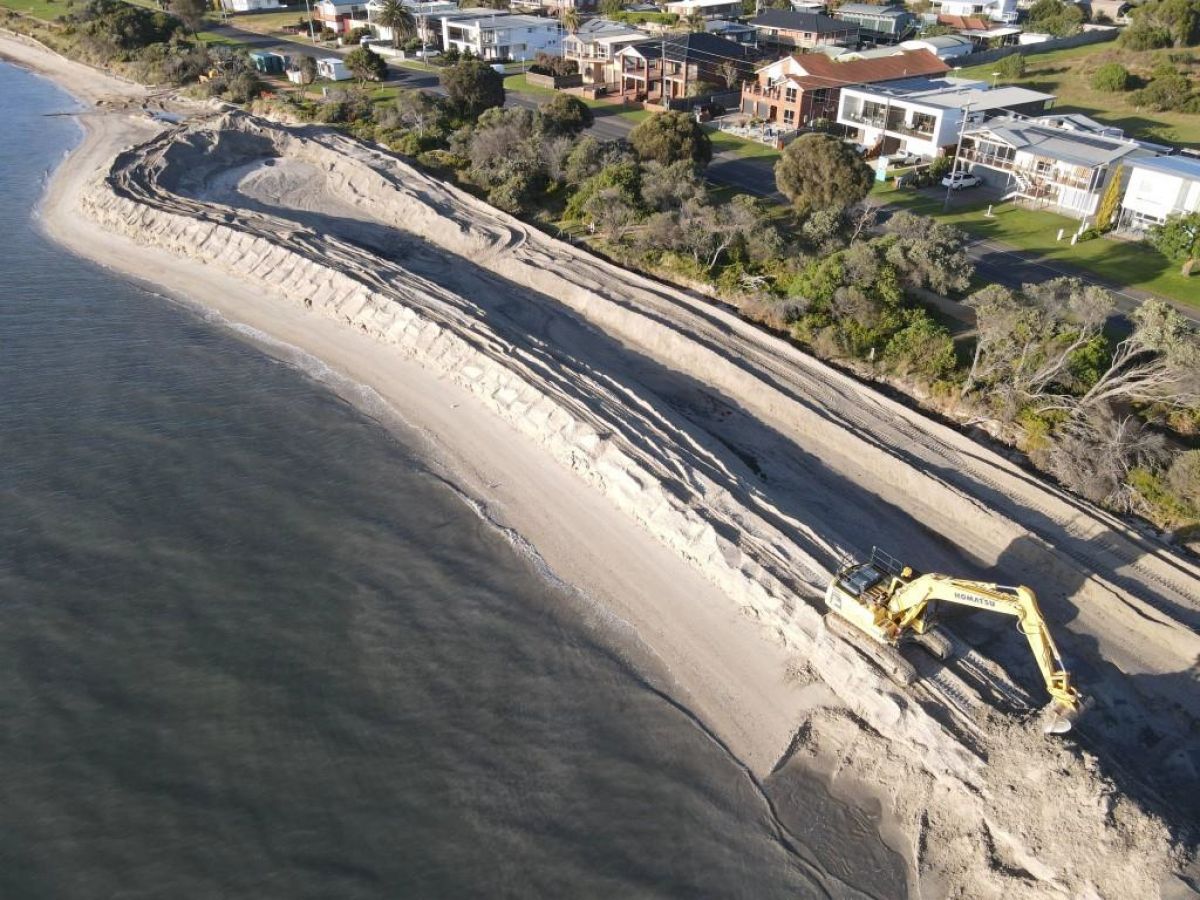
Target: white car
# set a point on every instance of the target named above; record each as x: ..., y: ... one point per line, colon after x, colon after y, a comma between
x: 960, y: 180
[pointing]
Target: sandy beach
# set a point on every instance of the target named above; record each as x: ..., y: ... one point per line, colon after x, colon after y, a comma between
x: 695, y: 479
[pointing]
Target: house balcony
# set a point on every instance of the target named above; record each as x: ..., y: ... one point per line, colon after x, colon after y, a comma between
x: 758, y: 91
x: 892, y: 124
x: 1047, y: 175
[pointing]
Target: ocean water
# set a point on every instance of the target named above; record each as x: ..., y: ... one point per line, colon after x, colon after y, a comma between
x: 250, y: 646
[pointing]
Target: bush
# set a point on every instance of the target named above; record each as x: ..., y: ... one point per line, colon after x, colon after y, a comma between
x: 1111, y: 78
x: 357, y: 34
x: 1169, y: 90
x: 1011, y: 67
x: 1145, y: 37
x: 556, y: 66
x: 669, y: 137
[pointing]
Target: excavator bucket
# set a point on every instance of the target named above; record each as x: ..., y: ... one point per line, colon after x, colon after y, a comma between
x: 1059, y: 719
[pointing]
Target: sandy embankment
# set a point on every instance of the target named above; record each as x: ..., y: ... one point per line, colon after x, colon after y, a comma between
x: 751, y: 465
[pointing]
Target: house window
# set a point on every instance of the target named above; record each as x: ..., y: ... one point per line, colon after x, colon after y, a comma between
x: 789, y: 95
x: 789, y: 117
x: 821, y: 96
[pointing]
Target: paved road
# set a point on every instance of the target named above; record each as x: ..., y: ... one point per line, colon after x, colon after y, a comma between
x: 994, y: 260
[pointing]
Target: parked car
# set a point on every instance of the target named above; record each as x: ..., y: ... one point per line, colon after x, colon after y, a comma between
x: 957, y: 181
x: 904, y: 160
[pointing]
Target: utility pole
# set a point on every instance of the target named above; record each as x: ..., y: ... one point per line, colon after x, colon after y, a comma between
x: 962, y: 127
x: 308, y: 11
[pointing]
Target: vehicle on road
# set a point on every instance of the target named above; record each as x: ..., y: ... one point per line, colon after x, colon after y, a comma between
x: 958, y: 181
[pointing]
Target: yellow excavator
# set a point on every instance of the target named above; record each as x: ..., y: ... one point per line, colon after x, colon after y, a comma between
x: 891, y: 603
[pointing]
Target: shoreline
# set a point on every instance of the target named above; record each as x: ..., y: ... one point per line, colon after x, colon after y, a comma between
x: 767, y: 682
x: 753, y: 712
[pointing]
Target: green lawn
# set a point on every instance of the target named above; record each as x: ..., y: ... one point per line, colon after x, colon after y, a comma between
x: 268, y: 22
x: 1068, y: 74
x: 723, y: 142
x: 1132, y: 264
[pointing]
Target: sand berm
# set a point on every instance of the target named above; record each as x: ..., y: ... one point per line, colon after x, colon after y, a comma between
x: 591, y: 410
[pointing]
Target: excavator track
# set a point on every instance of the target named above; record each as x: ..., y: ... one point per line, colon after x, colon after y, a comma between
x: 899, y: 669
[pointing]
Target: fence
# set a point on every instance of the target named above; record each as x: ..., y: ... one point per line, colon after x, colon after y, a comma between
x: 1091, y: 36
x: 555, y: 82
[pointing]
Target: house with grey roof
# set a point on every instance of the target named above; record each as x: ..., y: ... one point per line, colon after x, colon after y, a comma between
x: 943, y: 46
x: 1040, y: 161
x: 788, y: 28
x: 1160, y: 187
x: 879, y: 24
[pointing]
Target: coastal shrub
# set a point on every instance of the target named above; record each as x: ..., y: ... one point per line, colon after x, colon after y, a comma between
x: 1011, y: 67
x: 565, y: 114
x: 820, y: 171
x: 124, y: 26
x: 366, y: 65
x: 1111, y: 78
x: 1169, y: 89
x: 670, y: 137
x: 472, y: 86
x: 556, y: 66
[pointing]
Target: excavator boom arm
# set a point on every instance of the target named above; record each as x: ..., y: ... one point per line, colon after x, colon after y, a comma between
x: 909, y: 601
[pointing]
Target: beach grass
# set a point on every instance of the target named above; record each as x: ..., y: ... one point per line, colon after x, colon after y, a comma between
x: 1068, y: 74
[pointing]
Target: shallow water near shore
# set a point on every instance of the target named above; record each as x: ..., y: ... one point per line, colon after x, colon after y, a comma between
x: 251, y: 646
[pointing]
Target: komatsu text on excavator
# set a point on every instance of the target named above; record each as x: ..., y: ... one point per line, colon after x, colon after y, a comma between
x: 890, y: 603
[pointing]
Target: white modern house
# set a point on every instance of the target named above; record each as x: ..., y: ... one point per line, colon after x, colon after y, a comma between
x: 924, y: 116
x: 996, y: 10
x: 943, y: 46
x: 1160, y: 187
x: 422, y: 13
x: 710, y: 9
x: 1049, y: 161
x: 594, y: 48
x: 500, y: 36
x: 240, y: 6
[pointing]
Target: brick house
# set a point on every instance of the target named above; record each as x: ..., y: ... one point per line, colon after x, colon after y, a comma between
x: 691, y: 59
x: 787, y: 28
x: 798, y: 90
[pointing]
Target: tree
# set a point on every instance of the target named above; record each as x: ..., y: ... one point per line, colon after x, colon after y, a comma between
x: 416, y: 110
x: 1178, y: 239
x: 397, y: 17
x: 1055, y: 17
x: 366, y: 65
x: 730, y: 73
x: 819, y: 171
x: 694, y: 21
x: 927, y: 254
x: 610, y: 212
x: 669, y: 137
x: 1169, y: 89
x: 472, y: 86
x: 565, y: 114
x: 190, y: 12
x: 611, y: 8
x: 1162, y: 23
x: 570, y: 19
x: 669, y: 187
x: 308, y: 69
x: 1011, y: 67
x: 1111, y: 201
x: 1112, y: 78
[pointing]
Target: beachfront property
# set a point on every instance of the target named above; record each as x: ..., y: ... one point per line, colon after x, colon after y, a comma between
x: 340, y: 16
x: 984, y: 33
x: 1049, y: 161
x: 499, y: 36
x: 241, y: 6
x: 691, y: 59
x: 923, y: 116
x: 802, y: 30
x: 594, y: 49
x: 1159, y: 187
x: 798, y: 90
x: 879, y: 24
x: 943, y: 46
x: 995, y: 10
x: 731, y: 31
x: 422, y: 13
x: 709, y: 9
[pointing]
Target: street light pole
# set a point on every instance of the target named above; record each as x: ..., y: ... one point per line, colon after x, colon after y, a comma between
x: 308, y: 12
x: 962, y: 127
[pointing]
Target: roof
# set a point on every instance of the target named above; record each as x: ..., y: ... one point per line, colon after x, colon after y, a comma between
x: 905, y: 64
x: 1182, y: 166
x: 701, y: 3
x: 694, y: 46
x: 508, y: 21
x: 956, y: 93
x: 790, y: 20
x: 604, y: 29
x: 868, y: 9
x: 1057, y: 143
x: 943, y: 41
